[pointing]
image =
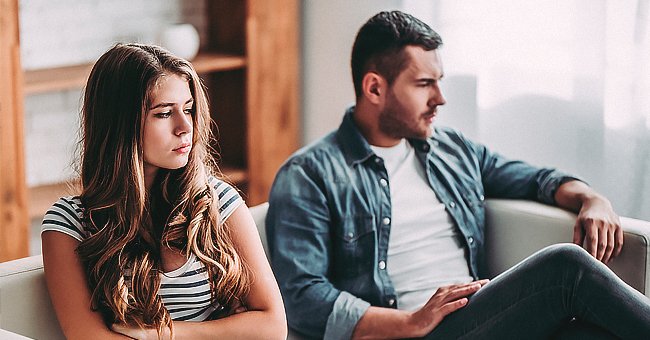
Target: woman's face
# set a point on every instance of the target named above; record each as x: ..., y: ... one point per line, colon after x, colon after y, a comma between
x: 168, y: 125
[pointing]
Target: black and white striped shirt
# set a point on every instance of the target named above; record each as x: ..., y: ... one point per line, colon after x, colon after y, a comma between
x: 185, y: 292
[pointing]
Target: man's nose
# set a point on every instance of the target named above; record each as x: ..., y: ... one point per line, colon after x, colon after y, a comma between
x: 437, y: 98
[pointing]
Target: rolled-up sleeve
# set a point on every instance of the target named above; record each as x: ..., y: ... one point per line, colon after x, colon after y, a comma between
x: 347, y: 311
x: 505, y: 178
x: 298, y: 232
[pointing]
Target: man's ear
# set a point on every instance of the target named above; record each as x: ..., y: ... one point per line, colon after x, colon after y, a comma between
x: 374, y: 87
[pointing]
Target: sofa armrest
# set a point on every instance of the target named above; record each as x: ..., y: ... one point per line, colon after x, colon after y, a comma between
x: 515, y: 229
x: 25, y: 306
x: 7, y: 335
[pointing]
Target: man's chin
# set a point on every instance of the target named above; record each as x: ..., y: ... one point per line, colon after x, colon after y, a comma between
x: 424, y: 135
x: 427, y: 133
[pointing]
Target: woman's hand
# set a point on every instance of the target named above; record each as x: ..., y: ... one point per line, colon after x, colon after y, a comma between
x: 236, y: 308
x: 135, y: 332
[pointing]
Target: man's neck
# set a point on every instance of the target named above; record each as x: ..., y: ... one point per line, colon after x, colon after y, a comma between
x: 366, y: 119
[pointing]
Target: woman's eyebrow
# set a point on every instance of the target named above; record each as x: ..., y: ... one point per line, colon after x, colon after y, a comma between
x: 159, y: 105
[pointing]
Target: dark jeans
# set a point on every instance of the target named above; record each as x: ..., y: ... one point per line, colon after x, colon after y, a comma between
x: 559, y: 292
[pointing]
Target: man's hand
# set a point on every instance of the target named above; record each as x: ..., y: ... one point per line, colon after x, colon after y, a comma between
x: 598, y: 227
x: 445, y: 301
x: 389, y: 323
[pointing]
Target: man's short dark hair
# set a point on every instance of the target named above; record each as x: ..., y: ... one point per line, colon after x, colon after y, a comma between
x: 380, y: 43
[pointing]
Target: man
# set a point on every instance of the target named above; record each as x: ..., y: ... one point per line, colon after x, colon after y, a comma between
x: 377, y: 230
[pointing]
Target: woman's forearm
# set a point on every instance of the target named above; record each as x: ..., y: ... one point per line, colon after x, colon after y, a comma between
x: 246, y: 325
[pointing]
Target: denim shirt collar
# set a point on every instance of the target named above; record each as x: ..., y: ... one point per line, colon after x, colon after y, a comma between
x: 355, y: 147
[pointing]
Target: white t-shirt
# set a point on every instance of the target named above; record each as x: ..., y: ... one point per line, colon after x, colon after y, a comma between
x: 185, y: 292
x: 425, y: 249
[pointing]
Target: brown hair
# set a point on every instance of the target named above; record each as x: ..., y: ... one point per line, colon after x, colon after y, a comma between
x: 128, y: 225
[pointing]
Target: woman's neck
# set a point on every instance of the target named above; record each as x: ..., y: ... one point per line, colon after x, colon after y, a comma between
x: 150, y: 173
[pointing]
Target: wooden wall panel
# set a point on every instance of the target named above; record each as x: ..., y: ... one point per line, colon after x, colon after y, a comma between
x: 14, y: 224
x: 227, y: 28
x: 273, y: 106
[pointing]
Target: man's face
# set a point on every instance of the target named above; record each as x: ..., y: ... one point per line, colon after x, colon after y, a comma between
x: 412, y: 100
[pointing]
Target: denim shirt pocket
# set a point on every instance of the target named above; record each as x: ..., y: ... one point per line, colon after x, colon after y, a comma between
x: 354, y: 245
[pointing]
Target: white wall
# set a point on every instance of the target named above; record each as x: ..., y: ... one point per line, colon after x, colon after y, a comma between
x: 328, y: 31
x: 560, y: 84
x: 557, y: 84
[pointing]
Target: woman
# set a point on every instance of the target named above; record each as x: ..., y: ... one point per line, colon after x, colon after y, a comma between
x: 155, y: 242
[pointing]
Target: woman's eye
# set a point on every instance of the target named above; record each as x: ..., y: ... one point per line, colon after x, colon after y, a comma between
x: 163, y: 114
x: 189, y: 111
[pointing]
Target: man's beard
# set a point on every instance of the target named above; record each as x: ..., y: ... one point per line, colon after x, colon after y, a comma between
x: 392, y: 123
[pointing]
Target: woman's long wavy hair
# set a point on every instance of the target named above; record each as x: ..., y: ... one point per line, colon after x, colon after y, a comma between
x: 128, y: 224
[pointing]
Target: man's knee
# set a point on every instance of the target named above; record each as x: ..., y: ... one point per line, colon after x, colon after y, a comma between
x: 566, y: 254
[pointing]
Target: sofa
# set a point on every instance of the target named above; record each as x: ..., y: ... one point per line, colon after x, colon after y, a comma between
x: 515, y: 229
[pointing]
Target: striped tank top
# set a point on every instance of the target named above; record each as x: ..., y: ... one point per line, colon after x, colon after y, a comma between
x: 185, y: 292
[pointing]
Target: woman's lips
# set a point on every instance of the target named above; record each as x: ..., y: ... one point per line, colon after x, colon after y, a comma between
x: 183, y: 148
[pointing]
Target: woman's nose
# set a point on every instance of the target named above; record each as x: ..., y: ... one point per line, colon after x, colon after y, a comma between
x: 183, y: 123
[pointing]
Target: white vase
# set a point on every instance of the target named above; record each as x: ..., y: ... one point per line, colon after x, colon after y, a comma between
x: 180, y: 39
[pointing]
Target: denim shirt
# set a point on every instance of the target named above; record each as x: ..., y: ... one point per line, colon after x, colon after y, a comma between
x: 328, y: 223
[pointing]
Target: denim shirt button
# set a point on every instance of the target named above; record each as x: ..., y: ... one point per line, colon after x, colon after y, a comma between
x: 350, y: 235
x: 382, y: 265
x: 425, y: 147
x: 377, y: 160
x: 470, y: 240
x: 481, y: 197
x: 385, y: 221
x: 383, y: 182
x: 452, y: 205
x: 391, y: 302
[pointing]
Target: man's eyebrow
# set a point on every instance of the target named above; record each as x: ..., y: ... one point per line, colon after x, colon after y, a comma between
x: 159, y: 105
x: 429, y: 79
x: 425, y: 80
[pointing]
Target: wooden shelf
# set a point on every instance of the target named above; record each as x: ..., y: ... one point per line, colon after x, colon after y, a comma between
x: 213, y: 62
x: 73, y: 77
x: 235, y: 175
x: 257, y: 100
x: 42, y: 197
